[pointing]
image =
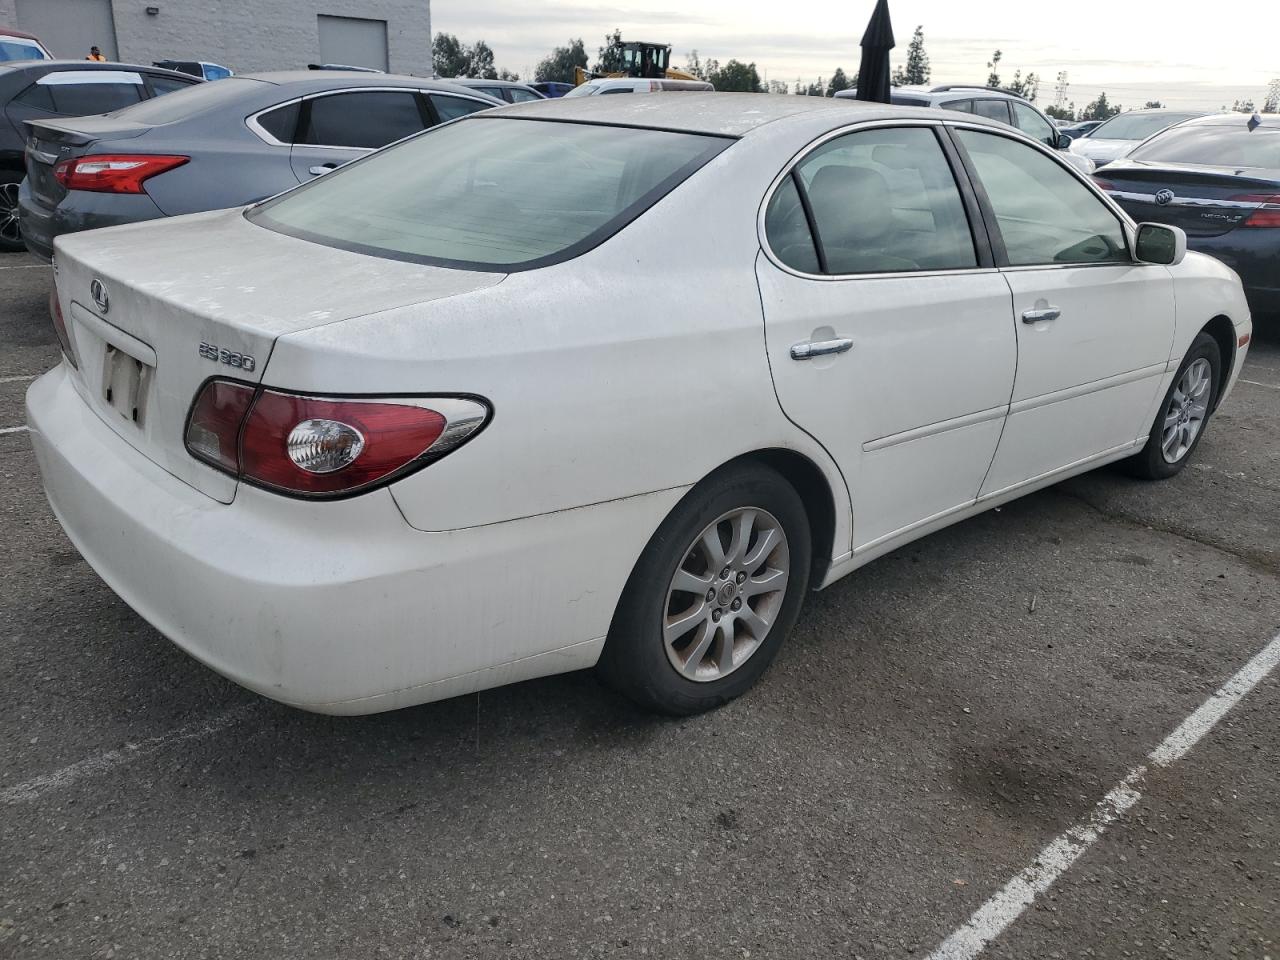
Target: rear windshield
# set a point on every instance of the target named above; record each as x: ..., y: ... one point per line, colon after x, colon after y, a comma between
x: 492, y: 193
x: 189, y: 101
x: 1138, y: 126
x: 1215, y: 145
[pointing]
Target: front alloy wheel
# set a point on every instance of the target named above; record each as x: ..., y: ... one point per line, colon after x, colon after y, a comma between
x: 10, y: 236
x: 1186, y: 411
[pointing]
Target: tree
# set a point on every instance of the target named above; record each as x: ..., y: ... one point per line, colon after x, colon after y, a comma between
x: 609, y: 58
x: 1242, y: 106
x: 1100, y: 109
x: 1153, y: 105
x: 558, y: 67
x: 737, y: 76
x: 480, y: 61
x: 449, y: 57
x: 1272, y: 103
x: 778, y: 86
x: 916, y: 71
x: 838, y: 82
x: 993, y: 78
x: 702, y: 69
x: 1027, y: 88
x: 1061, y: 113
x: 818, y: 89
x: 505, y: 74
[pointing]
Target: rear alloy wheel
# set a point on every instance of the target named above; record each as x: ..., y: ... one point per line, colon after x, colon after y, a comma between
x: 10, y: 237
x: 713, y: 595
x: 1184, y: 413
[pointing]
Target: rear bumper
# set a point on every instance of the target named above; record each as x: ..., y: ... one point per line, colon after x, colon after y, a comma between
x: 336, y: 607
x: 79, y: 210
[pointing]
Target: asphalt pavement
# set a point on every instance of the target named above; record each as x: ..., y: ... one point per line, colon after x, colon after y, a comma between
x: 936, y: 720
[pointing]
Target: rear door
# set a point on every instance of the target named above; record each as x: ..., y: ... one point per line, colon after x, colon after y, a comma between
x: 889, y: 331
x: 1094, y: 327
x: 335, y: 128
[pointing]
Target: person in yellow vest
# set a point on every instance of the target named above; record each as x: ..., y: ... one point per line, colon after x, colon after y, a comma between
x: 95, y: 54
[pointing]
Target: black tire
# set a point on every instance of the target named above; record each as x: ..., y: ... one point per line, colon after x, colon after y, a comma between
x: 1151, y: 463
x: 10, y: 239
x: 635, y: 660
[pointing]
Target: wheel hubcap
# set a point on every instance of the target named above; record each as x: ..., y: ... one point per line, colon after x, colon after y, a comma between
x: 726, y: 594
x: 9, y: 212
x: 1185, y: 414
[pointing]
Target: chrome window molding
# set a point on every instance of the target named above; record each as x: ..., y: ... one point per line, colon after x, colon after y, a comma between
x: 252, y: 123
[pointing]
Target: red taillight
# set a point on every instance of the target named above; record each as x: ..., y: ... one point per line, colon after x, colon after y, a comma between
x: 1104, y: 184
x: 323, y: 447
x: 113, y: 173
x: 60, y: 328
x: 1268, y: 212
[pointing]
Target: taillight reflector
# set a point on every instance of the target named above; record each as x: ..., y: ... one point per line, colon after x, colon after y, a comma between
x: 113, y: 173
x: 1268, y: 212
x: 324, y: 446
x: 1104, y: 184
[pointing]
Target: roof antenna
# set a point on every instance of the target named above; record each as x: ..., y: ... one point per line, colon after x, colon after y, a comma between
x: 1255, y: 122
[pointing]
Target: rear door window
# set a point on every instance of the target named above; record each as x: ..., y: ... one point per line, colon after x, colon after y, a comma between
x: 964, y: 106
x: 522, y: 96
x: 886, y: 201
x: 1034, y: 125
x: 365, y: 119
x: 282, y: 122
x: 995, y: 109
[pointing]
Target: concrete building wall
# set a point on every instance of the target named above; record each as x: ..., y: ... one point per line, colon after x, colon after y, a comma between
x: 248, y: 35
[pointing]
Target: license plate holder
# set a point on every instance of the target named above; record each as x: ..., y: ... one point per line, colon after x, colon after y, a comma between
x: 124, y: 384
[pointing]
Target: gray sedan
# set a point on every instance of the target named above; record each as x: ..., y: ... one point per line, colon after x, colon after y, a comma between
x: 218, y: 145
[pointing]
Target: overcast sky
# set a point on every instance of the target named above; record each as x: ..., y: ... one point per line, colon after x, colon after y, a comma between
x: 1184, y: 54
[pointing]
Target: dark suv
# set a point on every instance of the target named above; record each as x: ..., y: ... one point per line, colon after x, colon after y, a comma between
x: 44, y: 89
x: 994, y: 103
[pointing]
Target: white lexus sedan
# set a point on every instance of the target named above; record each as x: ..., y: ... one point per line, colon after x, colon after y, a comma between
x: 596, y: 382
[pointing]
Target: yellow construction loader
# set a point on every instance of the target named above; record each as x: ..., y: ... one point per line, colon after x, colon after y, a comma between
x: 651, y: 61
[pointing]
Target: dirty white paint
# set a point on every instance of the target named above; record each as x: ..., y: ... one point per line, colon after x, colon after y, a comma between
x: 37, y: 787
x: 994, y: 916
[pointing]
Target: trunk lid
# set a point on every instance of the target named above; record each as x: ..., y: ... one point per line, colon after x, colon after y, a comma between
x: 156, y: 309
x: 1202, y: 200
x: 49, y: 142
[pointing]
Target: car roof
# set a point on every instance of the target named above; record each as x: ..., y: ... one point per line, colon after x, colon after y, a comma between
x: 48, y: 66
x: 480, y: 82
x: 10, y: 32
x: 725, y: 114
x: 329, y: 79
x: 1233, y: 120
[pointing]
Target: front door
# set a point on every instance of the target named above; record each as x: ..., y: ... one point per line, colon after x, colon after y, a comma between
x: 1094, y: 327
x: 889, y: 338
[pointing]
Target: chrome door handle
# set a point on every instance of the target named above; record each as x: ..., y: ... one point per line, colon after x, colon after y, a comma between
x: 321, y: 169
x: 819, y: 348
x: 1035, y: 316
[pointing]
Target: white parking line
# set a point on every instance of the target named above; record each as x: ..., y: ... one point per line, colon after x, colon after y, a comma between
x: 991, y: 919
x: 37, y: 787
x: 24, y: 266
x: 1256, y: 383
x: 4, y: 430
x: 21, y: 379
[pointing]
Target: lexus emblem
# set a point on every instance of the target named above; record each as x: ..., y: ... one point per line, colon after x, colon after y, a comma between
x: 99, y: 293
x: 1164, y: 196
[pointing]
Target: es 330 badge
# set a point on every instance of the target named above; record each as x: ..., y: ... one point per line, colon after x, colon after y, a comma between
x: 241, y: 361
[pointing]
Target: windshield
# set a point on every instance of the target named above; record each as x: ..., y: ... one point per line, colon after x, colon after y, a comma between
x: 585, y: 90
x: 13, y: 48
x: 492, y: 193
x: 1215, y: 145
x: 189, y: 101
x: 1137, y: 126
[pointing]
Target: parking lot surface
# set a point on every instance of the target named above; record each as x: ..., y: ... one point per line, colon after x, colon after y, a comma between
x: 935, y: 720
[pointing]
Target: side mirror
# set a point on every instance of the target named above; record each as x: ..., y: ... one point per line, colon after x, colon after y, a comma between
x: 1064, y: 141
x: 1160, y: 244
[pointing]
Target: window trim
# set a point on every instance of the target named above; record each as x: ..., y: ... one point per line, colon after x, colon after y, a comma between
x: 1127, y: 225
x: 978, y: 230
